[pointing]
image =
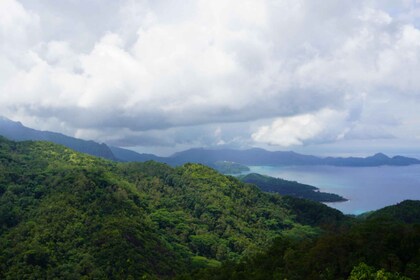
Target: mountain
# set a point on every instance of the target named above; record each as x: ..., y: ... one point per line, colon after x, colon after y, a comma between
x: 262, y: 157
x: 210, y: 157
x: 285, y: 187
x: 253, y: 156
x: 257, y: 156
x: 18, y: 132
x: 68, y: 215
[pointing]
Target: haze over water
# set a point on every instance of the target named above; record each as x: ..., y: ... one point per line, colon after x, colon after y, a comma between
x: 367, y: 188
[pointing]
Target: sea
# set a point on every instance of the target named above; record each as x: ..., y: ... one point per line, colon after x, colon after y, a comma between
x: 366, y: 188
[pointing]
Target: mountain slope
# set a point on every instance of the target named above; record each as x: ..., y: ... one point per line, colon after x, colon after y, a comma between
x: 18, y: 132
x: 68, y: 215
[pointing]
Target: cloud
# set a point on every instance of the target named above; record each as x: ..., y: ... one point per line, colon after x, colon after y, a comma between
x: 139, y: 69
x: 18, y: 26
x: 323, y: 126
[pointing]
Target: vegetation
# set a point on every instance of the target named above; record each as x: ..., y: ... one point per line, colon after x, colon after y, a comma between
x: 66, y: 215
x: 365, y: 272
x: 407, y: 211
x: 292, y: 188
x: 375, y: 248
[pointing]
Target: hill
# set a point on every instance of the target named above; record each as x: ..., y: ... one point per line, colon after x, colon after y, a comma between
x: 68, y: 215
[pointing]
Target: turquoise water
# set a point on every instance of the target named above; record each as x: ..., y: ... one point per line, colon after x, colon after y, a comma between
x: 367, y: 188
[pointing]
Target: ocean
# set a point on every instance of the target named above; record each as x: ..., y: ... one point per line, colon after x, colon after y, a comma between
x: 366, y: 188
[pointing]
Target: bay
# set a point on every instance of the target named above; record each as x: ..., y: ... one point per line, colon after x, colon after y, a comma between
x: 366, y: 188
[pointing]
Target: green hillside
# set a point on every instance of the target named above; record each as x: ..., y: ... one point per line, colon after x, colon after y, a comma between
x: 67, y: 215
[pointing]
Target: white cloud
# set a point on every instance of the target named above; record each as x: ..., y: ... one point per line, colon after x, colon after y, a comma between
x: 157, y: 65
x: 18, y: 27
x: 325, y: 125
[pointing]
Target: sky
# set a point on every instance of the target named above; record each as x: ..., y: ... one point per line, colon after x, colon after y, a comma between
x: 322, y: 77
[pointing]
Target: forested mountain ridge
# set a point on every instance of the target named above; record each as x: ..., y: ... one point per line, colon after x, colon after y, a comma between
x: 69, y: 215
